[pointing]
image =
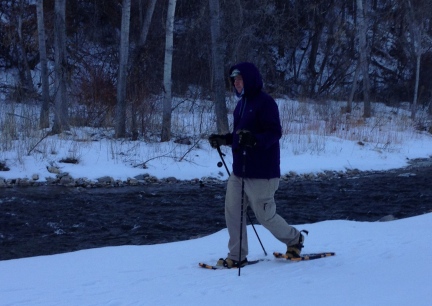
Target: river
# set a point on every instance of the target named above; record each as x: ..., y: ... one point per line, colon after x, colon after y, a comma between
x: 47, y: 220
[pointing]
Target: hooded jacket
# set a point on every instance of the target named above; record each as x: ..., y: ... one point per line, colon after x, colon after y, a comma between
x: 258, y: 113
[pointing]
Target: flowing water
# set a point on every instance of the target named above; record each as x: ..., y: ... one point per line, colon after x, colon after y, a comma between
x: 52, y: 219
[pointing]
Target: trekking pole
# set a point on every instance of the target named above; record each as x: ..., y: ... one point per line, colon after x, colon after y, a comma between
x: 222, y: 159
x: 241, y: 210
x: 247, y: 213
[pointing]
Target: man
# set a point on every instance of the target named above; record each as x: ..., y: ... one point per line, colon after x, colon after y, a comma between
x: 256, y: 159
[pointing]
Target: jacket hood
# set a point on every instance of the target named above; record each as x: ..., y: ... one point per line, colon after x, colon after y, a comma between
x: 252, y: 79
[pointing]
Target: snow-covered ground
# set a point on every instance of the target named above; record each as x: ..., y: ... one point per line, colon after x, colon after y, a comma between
x: 376, y: 263
x: 311, y: 143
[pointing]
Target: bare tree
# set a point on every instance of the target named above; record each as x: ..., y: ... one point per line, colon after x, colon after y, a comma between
x: 320, y: 11
x: 169, y: 42
x: 120, y: 121
x: 136, y: 73
x: 306, y: 48
x: 23, y: 65
x: 363, y: 57
x: 146, y: 23
x: 61, y: 117
x: 353, y: 89
x: 417, y: 28
x: 218, y: 69
x: 44, y: 113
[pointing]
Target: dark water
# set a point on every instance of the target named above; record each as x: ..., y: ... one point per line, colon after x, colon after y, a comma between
x: 49, y: 220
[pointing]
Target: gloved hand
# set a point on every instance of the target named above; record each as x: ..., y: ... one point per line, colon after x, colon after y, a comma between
x: 246, y: 138
x: 217, y: 140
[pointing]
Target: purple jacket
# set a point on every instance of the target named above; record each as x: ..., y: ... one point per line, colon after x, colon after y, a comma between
x: 258, y: 113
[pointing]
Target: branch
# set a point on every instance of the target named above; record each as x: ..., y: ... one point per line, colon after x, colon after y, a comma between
x: 37, y: 143
x: 189, y: 150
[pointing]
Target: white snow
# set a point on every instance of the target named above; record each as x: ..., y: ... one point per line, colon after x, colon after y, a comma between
x: 376, y: 263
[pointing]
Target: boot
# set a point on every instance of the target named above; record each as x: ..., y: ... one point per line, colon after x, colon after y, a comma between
x: 294, y: 251
x: 230, y: 263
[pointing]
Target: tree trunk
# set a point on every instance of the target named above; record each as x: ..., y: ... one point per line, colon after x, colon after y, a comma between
x: 146, y: 23
x: 44, y: 113
x: 218, y: 70
x: 136, y: 72
x: 120, y: 124
x: 60, y: 67
x: 315, y: 42
x: 364, y: 54
x: 416, y: 86
x: 25, y: 78
x: 237, y: 17
x: 353, y: 89
x: 416, y: 37
x: 166, y: 117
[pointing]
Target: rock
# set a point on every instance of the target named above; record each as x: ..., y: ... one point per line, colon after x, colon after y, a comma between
x: 51, y: 180
x: 151, y: 179
x: 62, y: 174
x: 82, y: 182
x: 353, y: 171
x: 387, y: 218
x: 406, y: 174
x: 23, y: 182
x: 12, y: 181
x: 67, y: 180
x: 119, y: 183
x: 105, y: 180
x: 142, y: 177
x: 309, y: 176
x: 132, y: 181
x: 171, y: 179
x: 52, y: 169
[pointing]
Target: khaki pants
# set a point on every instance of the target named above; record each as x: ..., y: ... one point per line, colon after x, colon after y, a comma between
x: 259, y: 194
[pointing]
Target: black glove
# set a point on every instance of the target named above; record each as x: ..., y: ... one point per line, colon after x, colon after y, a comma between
x: 217, y: 140
x: 246, y: 138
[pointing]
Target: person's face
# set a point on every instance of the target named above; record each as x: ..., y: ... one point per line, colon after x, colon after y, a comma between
x: 238, y: 83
